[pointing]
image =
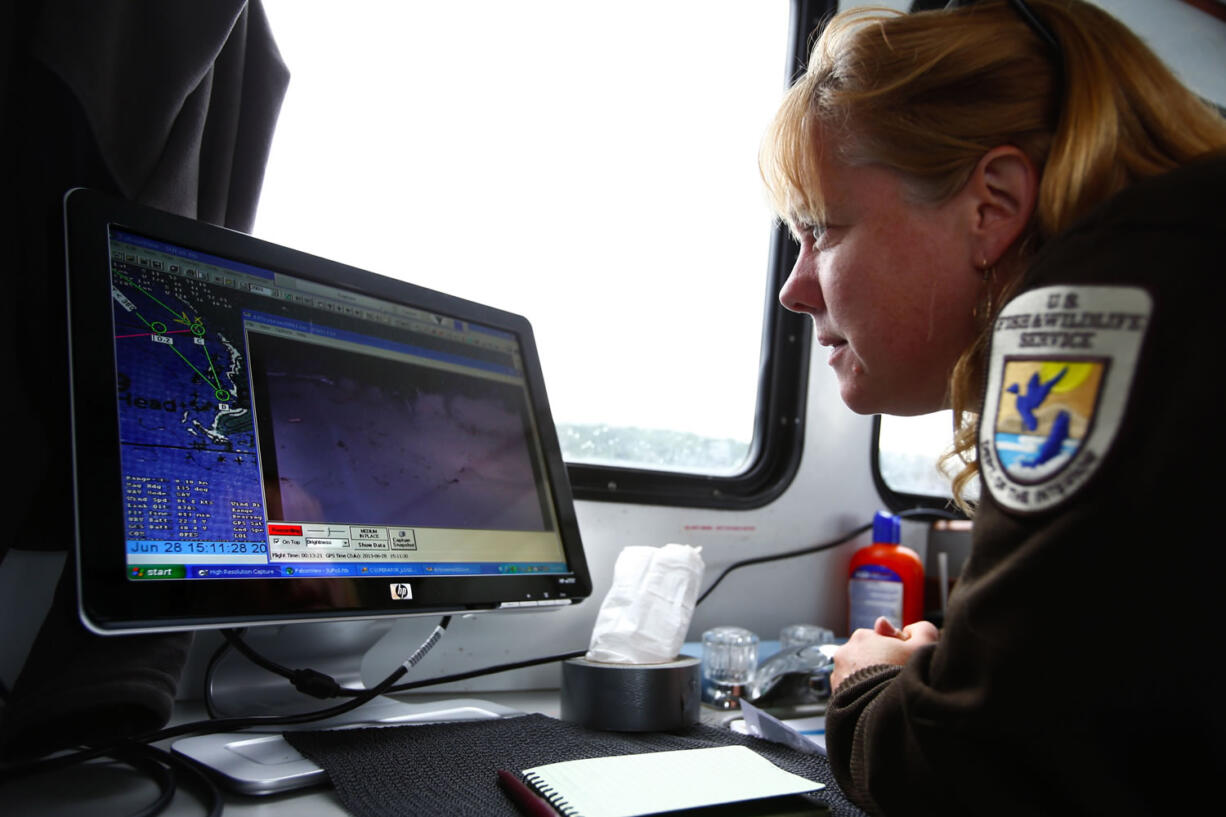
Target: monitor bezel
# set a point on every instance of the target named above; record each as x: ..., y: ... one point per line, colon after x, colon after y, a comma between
x: 108, y: 602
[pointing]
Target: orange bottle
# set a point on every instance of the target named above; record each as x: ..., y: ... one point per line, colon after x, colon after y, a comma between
x: 886, y: 578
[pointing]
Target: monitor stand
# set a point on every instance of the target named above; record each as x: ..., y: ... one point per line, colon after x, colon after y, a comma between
x: 260, y: 761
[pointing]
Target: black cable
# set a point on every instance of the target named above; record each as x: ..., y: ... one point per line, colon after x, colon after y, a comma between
x: 231, y: 724
x: 910, y: 514
x: 139, y: 758
x: 233, y: 637
x: 209, y: 671
x: 162, y: 767
x: 463, y: 676
x: 307, y: 681
x: 778, y: 556
x: 532, y: 662
x: 214, y: 803
x: 913, y: 513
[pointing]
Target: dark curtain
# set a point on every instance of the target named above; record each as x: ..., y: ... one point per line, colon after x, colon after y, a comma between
x: 170, y: 103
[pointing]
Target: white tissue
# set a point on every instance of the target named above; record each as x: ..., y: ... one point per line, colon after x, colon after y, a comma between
x: 646, y: 614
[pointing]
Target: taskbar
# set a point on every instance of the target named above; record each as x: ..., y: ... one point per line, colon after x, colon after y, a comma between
x: 316, y: 570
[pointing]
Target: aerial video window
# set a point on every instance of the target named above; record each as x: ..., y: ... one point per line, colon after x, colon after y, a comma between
x: 384, y: 440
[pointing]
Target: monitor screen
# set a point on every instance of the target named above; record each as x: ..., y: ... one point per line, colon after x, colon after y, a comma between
x: 265, y: 436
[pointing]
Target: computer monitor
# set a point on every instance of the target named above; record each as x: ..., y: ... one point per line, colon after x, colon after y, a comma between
x: 263, y: 436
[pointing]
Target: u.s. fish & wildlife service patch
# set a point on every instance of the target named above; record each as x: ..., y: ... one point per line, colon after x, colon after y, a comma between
x: 1059, y: 374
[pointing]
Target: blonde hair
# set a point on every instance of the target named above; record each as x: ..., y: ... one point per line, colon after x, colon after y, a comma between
x: 927, y: 94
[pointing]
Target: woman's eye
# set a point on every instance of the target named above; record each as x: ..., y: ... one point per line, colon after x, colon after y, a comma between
x: 812, y: 233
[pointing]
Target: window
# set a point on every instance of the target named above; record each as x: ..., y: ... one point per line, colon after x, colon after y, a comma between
x: 908, y: 452
x: 590, y: 166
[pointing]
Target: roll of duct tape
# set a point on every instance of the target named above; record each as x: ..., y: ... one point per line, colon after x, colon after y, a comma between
x: 631, y: 697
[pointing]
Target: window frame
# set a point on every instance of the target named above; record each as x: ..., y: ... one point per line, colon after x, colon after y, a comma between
x: 783, y: 380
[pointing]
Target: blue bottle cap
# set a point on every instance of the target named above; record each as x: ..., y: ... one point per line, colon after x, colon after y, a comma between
x: 887, y: 528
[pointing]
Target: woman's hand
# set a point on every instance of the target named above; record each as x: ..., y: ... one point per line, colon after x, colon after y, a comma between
x: 884, y: 644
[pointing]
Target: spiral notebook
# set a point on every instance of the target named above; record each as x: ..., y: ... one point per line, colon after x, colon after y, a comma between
x: 657, y: 782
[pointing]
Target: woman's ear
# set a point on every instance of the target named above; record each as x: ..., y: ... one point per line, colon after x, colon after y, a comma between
x: 1004, y: 187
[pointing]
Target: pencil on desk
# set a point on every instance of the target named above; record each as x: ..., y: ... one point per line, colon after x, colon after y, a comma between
x: 528, y: 801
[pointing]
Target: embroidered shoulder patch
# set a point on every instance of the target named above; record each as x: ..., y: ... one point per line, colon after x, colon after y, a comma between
x: 1059, y: 374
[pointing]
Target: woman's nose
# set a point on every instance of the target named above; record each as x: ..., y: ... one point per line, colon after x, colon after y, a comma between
x: 801, y: 292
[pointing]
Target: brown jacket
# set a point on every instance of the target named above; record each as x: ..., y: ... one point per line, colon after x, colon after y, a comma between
x: 1076, y: 669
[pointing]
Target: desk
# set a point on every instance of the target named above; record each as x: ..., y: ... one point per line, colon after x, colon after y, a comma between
x: 117, y: 790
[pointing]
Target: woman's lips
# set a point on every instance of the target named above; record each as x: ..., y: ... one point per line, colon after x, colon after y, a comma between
x: 836, y: 345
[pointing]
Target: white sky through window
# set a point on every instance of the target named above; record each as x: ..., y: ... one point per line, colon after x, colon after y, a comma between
x: 590, y: 166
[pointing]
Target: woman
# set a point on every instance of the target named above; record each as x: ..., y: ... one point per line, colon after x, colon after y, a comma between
x: 1031, y: 233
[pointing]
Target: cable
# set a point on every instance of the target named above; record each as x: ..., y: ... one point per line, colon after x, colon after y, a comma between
x: 211, y: 670
x: 316, y: 683
x: 231, y: 724
x: 442, y: 679
x: 213, y: 801
x: 232, y: 636
x: 463, y: 676
x: 307, y: 681
x: 139, y: 758
x: 914, y: 513
x: 162, y: 767
x: 909, y: 514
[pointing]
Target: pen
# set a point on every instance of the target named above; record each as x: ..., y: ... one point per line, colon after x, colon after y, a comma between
x: 529, y: 802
